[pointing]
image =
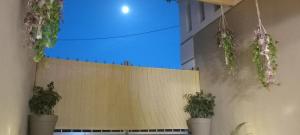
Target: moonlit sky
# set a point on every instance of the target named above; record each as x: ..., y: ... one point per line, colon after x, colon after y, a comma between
x: 125, y: 9
x: 104, y: 18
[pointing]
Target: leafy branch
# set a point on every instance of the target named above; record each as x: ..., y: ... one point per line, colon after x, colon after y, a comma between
x: 42, y: 24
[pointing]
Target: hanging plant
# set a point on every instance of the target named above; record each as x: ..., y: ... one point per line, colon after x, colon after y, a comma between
x: 225, y: 40
x: 42, y: 24
x: 264, y: 53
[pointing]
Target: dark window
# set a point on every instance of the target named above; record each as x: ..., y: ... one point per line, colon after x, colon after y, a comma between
x: 189, y: 16
x: 202, y: 11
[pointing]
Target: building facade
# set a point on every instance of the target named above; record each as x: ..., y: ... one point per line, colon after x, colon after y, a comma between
x: 194, y: 16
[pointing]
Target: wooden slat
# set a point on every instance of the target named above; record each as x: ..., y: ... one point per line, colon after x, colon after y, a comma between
x: 99, y: 96
x: 221, y: 2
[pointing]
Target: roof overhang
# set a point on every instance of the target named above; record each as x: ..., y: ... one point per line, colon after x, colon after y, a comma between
x: 222, y: 2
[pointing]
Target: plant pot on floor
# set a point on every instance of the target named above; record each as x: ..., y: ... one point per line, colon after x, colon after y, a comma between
x: 199, y: 126
x: 42, y: 120
x: 42, y: 124
x: 200, y: 106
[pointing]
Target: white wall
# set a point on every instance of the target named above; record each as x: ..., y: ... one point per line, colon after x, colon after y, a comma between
x: 16, y: 69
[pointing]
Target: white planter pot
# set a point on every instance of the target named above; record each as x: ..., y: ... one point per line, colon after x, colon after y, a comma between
x: 199, y: 126
x: 42, y: 125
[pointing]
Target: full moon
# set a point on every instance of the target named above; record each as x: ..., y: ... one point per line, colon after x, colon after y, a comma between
x: 125, y: 9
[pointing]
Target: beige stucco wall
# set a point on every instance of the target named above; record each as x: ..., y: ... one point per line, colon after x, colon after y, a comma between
x: 114, y: 97
x: 274, y: 112
x: 16, y: 69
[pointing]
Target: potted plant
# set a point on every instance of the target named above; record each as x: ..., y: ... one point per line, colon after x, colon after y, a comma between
x: 42, y: 120
x: 200, y: 107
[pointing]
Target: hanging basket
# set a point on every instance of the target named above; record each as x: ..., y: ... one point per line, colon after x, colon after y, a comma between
x: 42, y: 24
x: 264, y: 53
x: 225, y: 40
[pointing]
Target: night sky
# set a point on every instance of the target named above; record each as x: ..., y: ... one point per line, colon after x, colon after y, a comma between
x: 149, y: 31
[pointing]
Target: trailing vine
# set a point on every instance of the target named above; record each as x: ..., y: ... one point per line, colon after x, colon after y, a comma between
x: 42, y: 24
x: 264, y: 53
x: 225, y: 40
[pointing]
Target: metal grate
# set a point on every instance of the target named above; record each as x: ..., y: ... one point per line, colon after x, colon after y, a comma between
x: 122, y: 132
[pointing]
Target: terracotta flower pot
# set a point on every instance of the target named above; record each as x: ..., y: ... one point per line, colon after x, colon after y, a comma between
x: 42, y: 124
x: 199, y: 126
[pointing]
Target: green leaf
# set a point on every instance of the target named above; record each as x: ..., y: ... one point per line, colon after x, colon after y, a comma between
x: 37, y: 58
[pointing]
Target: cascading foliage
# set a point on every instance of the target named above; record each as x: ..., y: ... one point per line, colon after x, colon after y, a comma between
x: 264, y: 54
x: 42, y: 24
x: 264, y: 57
x: 225, y: 40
